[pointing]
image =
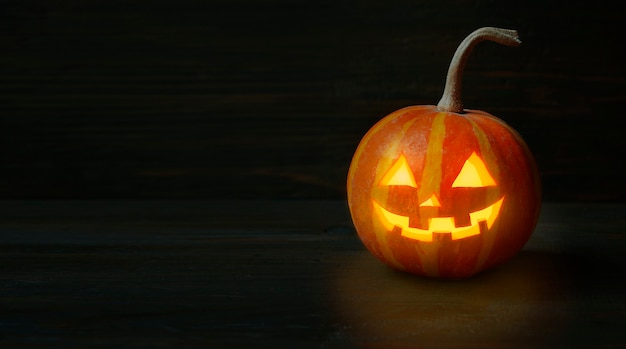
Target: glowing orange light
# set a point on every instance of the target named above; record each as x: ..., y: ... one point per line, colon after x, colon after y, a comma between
x: 440, y: 225
x: 474, y: 174
x: 432, y: 201
x: 399, y: 174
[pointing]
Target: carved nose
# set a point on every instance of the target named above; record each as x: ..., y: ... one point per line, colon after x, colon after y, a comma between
x: 432, y: 201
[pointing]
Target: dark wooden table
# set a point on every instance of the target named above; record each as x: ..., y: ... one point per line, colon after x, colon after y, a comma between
x: 249, y: 274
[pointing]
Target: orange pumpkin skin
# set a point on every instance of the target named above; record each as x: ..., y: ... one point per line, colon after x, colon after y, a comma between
x: 433, y: 148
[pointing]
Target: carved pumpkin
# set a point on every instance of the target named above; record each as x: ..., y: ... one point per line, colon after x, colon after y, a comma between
x: 443, y: 191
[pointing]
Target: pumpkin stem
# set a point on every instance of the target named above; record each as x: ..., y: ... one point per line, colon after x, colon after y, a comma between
x: 451, y: 99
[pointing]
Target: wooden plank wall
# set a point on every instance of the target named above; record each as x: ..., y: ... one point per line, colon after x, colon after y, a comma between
x: 266, y: 99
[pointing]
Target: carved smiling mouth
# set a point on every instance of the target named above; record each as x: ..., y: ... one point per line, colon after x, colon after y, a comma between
x: 440, y: 225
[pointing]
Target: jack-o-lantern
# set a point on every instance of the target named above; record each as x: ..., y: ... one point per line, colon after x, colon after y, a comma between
x: 444, y: 191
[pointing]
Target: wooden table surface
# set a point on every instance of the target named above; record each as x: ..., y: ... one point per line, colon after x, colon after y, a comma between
x: 292, y: 274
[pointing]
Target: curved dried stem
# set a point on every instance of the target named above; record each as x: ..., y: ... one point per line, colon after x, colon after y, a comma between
x: 451, y: 99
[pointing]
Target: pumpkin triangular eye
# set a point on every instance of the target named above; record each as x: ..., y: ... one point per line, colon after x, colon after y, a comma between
x: 399, y: 174
x: 474, y: 174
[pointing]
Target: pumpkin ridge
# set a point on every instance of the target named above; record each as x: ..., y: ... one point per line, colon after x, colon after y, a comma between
x: 488, y: 155
x: 432, y: 166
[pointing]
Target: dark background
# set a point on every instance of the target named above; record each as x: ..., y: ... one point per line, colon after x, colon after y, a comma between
x: 268, y: 99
